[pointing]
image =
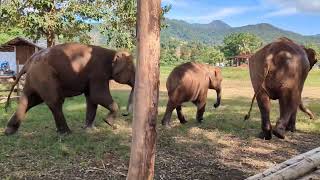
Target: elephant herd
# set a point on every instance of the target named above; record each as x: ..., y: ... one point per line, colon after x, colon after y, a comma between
x: 277, y: 71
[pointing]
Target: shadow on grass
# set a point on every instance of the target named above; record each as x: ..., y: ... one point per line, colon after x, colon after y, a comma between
x: 222, y: 147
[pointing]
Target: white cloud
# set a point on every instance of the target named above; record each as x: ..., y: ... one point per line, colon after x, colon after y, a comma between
x: 219, y: 14
x: 282, y: 12
x: 287, y: 7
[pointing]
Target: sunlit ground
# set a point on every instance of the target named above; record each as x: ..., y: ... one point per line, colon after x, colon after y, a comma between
x: 222, y: 147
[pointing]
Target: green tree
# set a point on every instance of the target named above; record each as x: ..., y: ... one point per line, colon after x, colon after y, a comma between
x: 51, y: 19
x: 169, y: 52
x: 240, y: 43
x: 10, y: 34
x: 120, y: 27
x: 211, y: 55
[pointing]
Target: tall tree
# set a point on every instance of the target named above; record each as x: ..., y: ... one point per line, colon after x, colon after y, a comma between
x: 143, y: 147
x: 241, y: 43
x: 52, y: 19
x: 120, y: 28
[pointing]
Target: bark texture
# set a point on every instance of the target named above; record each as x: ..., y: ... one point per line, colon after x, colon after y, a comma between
x: 293, y: 168
x: 146, y: 93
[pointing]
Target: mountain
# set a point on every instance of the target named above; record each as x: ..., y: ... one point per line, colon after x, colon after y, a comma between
x: 214, y: 32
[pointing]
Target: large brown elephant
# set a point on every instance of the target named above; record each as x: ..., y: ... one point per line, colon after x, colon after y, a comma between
x: 68, y: 70
x: 278, y: 71
x: 190, y: 82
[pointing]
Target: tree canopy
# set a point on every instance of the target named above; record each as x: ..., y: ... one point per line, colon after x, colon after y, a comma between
x: 241, y: 43
x: 51, y: 19
x: 72, y: 20
x: 176, y: 51
x: 120, y: 27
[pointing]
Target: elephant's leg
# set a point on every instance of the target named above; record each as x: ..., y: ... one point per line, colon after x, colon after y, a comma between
x: 167, y: 115
x: 91, y: 113
x: 26, y: 102
x: 264, y: 107
x: 287, y: 108
x: 100, y: 94
x: 61, y: 124
x: 292, y: 122
x: 201, y: 107
x: 180, y: 115
x: 52, y: 94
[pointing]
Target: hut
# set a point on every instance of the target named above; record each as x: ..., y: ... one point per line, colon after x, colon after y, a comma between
x: 13, y: 55
x: 239, y: 60
x: 17, y: 51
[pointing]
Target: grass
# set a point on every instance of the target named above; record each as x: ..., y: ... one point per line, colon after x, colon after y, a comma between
x: 222, y: 147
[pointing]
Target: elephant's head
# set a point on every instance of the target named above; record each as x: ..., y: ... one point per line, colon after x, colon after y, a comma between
x: 215, y: 79
x: 311, y: 56
x: 123, y: 72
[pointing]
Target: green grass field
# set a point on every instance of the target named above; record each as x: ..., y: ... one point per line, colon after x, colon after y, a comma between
x: 222, y: 147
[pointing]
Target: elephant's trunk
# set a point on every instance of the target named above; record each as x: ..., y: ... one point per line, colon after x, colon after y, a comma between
x: 217, y: 104
x: 130, y: 100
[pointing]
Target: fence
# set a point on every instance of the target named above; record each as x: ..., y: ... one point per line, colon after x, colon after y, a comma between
x: 5, y: 85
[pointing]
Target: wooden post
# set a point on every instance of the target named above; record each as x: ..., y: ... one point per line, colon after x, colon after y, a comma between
x: 146, y: 94
x: 17, y: 69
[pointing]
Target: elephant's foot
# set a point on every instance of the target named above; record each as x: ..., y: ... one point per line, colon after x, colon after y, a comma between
x: 265, y: 135
x: 291, y: 128
x: 10, y: 131
x: 64, y: 131
x: 279, y: 132
x: 125, y: 113
x: 89, y: 126
x: 165, y: 123
x: 183, y: 120
x: 200, y: 120
x: 110, y: 120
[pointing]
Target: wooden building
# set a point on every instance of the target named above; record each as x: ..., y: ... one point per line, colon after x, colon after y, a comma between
x: 16, y: 52
x: 21, y: 48
x: 240, y: 60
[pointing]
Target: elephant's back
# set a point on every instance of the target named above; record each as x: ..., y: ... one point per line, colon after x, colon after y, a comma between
x: 284, y: 60
x: 185, y: 77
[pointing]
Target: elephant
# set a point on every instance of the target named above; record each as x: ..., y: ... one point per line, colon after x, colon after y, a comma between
x: 278, y: 72
x: 190, y: 82
x: 68, y: 70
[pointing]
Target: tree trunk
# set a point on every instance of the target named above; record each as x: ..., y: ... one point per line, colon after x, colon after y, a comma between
x: 293, y: 168
x: 51, y: 41
x: 146, y: 92
x: 51, y: 36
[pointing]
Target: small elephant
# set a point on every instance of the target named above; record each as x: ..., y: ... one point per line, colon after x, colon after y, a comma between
x: 68, y: 70
x: 278, y: 71
x: 190, y: 82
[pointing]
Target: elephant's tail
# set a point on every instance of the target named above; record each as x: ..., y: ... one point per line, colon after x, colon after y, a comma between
x: 247, y: 116
x: 306, y: 110
x: 17, y: 78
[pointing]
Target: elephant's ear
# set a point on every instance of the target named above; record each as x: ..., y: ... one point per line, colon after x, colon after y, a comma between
x: 311, y: 53
x: 119, y: 63
x: 212, y: 75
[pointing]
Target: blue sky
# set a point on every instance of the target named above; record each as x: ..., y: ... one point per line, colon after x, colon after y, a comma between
x: 301, y: 16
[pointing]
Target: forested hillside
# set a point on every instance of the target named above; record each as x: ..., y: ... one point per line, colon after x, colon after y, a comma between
x: 214, y: 32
